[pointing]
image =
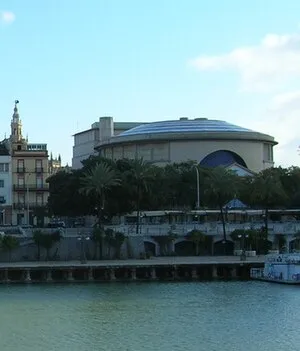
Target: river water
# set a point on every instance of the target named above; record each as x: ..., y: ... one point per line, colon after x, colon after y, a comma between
x: 213, y: 316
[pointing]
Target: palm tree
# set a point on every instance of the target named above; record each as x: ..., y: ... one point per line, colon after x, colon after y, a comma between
x: 47, y: 241
x: 197, y: 237
x: 141, y: 174
x: 9, y: 243
x: 221, y: 186
x: 97, y: 181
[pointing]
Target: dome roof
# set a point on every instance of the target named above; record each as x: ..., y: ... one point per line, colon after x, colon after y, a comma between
x: 185, y: 125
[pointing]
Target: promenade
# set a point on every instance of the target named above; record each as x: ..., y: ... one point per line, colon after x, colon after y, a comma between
x: 155, y: 261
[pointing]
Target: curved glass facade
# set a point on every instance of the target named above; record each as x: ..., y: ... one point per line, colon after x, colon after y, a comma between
x: 222, y: 158
x: 181, y: 126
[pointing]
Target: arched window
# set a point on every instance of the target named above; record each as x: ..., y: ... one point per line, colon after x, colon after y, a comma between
x: 222, y: 158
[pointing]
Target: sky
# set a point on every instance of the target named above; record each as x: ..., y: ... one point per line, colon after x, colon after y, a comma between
x: 69, y: 62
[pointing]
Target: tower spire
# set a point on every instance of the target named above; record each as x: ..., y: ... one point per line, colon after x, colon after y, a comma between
x: 16, y: 125
x: 16, y: 112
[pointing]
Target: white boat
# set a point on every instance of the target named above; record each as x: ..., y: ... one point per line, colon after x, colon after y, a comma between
x: 279, y: 268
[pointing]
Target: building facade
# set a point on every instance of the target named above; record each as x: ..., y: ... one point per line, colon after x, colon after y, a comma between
x: 86, y: 141
x: 209, y: 142
x: 29, y: 168
x: 5, y: 186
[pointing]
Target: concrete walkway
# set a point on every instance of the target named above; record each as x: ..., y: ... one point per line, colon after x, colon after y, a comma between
x: 156, y: 261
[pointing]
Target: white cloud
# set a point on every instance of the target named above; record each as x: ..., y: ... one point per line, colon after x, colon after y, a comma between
x: 281, y: 120
x: 286, y: 102
x: 271, y: 63
x: 7, y: 17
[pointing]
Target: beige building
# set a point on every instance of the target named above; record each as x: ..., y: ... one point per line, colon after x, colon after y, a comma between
x: 29, y: 163
x: 209, y: 142
x: 86, y: 141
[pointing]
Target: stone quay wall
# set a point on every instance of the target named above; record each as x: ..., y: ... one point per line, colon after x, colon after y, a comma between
x: 161, y: 269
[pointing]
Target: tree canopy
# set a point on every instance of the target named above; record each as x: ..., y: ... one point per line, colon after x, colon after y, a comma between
x: 135, y: 185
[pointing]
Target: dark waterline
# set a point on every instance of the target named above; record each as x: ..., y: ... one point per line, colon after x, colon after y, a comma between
x: 214, y: 316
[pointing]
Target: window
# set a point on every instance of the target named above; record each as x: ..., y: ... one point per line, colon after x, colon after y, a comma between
x: 1, y: 183
x: 21, y: 182
x: 268, y: 152
x: 21, y: 198
x: 20, y: 166
x: 2, y: 200
x: 4, y: 167
x: 39, y: 199
x: 39, y: 182
x: 38, y: 165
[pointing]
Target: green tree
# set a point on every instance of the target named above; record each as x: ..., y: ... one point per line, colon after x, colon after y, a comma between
x: 296, y: 241
x: 96, y: 182
x: 221, y: 185
x: 117, y: 242
x: 37, y: 239
x: 48, y: 240
x: 140, y: 176
x: 164, y: 242
x: 198, y: 238
x: 98, y: 237
x: 8, y: 244
x: 64, y: 198
x: 290, y: 178
x: 266, y: 191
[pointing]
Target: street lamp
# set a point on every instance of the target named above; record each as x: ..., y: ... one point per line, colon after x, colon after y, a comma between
x: 198, y: 187
x: 82, y: 238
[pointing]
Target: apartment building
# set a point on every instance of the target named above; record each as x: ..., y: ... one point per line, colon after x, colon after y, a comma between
x: 5, y: 186
x: 29, y: 170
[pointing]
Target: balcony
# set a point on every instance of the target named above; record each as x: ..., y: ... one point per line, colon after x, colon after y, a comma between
x: 21, y: 170
x: 31, y: 187
x: 39, y: 170
x: 22, y: 206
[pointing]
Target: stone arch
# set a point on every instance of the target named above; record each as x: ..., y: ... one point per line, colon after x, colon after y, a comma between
x: 222, y: 248
x: 184, y: 247
x: 222, y: 158
x: 151, y: 246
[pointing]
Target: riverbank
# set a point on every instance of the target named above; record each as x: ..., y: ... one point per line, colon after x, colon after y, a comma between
x: 158, y: 268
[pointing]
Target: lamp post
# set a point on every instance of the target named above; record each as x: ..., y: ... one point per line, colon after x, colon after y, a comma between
x: 198, y: 186
x: 82, y: 238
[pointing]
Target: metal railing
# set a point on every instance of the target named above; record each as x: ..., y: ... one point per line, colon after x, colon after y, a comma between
x: 212, y: 228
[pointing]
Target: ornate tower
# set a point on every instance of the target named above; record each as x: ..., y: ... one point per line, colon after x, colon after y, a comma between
x: 16, y: 126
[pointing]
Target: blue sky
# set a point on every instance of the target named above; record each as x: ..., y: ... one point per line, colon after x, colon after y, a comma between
x: 70, y: 62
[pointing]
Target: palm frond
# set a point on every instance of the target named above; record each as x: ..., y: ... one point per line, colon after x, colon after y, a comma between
x: 99, y: 179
